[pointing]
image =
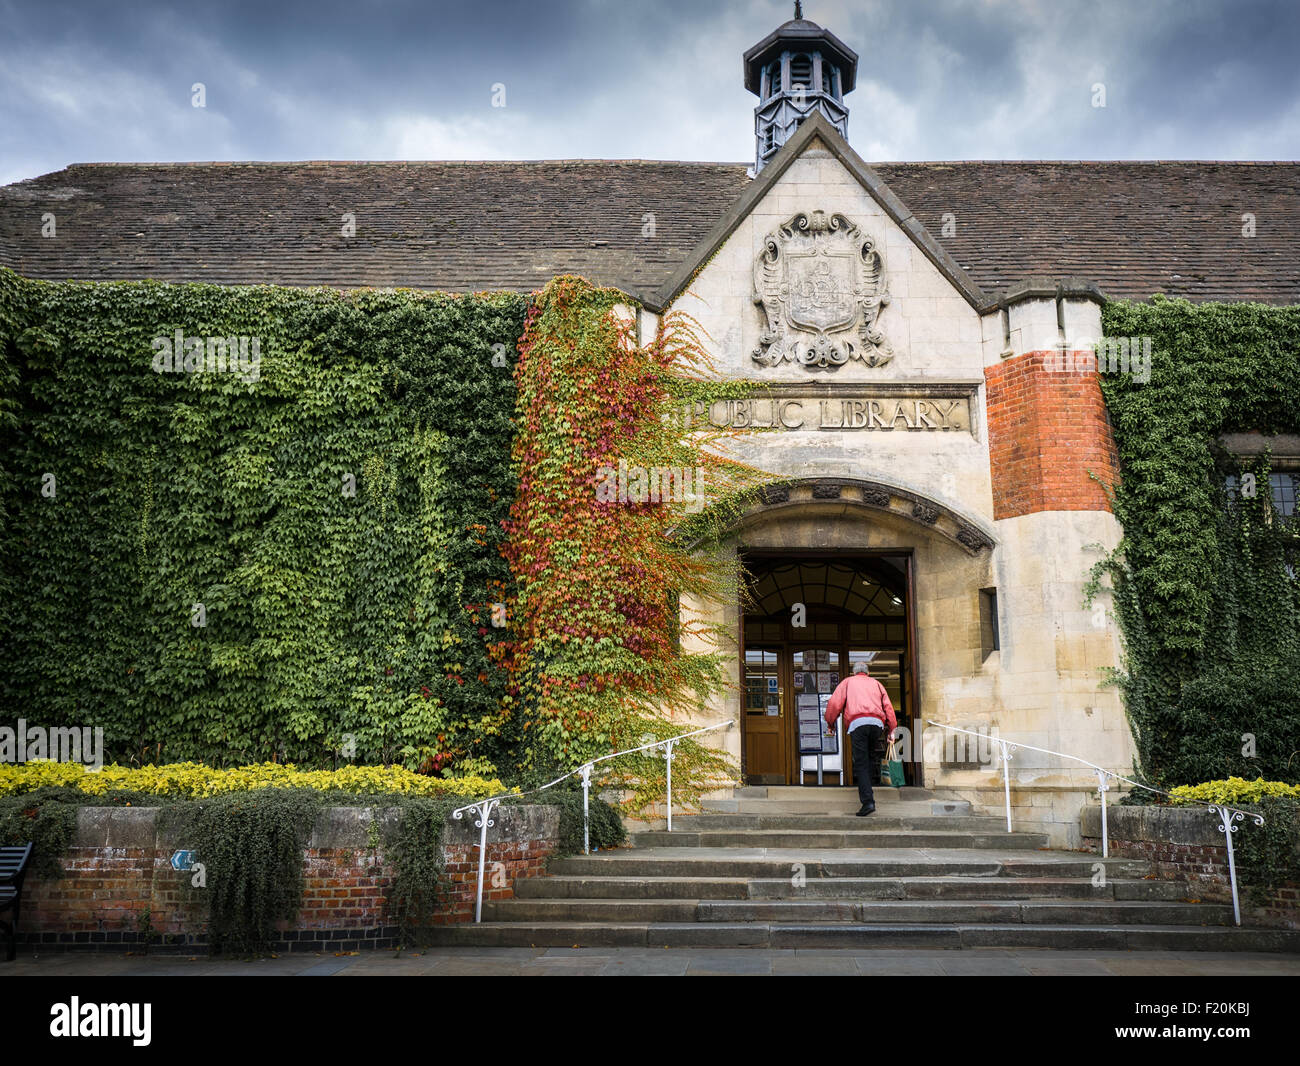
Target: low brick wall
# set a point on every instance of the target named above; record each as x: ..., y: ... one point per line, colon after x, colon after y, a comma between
x: 119, y: 891
x: 1184, y: 844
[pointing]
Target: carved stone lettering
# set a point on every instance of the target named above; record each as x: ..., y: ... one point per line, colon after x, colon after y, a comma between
x: 848, y: 409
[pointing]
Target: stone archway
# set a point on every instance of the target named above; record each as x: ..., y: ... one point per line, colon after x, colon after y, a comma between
x: 973, y: 537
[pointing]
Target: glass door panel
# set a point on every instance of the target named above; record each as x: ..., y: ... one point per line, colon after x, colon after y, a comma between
x: 765, y: 741
x: 815, y: 672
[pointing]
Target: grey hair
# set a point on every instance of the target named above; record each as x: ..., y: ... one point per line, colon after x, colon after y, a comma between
x: 860, y: 668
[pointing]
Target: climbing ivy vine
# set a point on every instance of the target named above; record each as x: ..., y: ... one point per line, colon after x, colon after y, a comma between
x: 601, y: 660
x: 293, y: 564
x: 1205, y: 582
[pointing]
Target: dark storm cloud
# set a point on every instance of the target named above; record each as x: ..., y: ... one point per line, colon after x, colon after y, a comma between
x: 312, y: 79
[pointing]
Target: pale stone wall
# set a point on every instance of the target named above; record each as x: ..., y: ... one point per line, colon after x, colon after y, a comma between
x: 1044, y: 686
x: 934, y: 331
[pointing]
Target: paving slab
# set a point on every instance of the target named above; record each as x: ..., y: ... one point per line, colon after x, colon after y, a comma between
x: 632, y: 961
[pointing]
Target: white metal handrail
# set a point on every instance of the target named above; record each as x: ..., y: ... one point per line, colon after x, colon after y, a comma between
x: 484, y: 808
x: 1227, y: 815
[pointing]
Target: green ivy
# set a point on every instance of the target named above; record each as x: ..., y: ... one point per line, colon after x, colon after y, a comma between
x: 1268, y: 856
x: 1209, y: 613
x: 327, y: 614
x: 412, y: 847
x: 251, y: 846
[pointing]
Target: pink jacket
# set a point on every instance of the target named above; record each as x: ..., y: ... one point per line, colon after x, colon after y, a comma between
x: 858, y: 695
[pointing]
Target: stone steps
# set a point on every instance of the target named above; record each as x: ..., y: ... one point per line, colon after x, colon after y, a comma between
x: 792, y: 800
x: 872, y: 912
x: 901, y: 817
x: 792, y: 868
x: 828, y: 838
x: 830, y: 863
x: 914, y: 888
x: 858, y: 935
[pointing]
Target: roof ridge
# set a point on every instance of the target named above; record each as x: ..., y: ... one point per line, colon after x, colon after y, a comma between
x: 1083, y: 162
x: 403, y: 162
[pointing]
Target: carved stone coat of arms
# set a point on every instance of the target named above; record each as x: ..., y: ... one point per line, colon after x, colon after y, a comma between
x: 821, y: 284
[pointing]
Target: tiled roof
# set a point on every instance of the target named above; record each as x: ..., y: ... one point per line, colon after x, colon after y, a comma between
x: 1135, y: 228
x: 457, y: 227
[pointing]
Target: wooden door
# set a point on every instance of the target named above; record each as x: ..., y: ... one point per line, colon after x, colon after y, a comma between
x: 766, y: 743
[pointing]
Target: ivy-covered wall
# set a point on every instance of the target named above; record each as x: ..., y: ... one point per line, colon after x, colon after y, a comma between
x: 287, y: 559
x: 1206, y: 592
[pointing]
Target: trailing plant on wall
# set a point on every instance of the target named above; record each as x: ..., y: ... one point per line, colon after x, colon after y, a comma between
x: 251, y: 846
x: 1204, y: 580
x: 282, y: 562
x: 599, y: 661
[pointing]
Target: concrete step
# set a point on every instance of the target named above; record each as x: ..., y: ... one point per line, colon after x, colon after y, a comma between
x: 793, y: 800
x: 843, y: 806
x: 812, y: 863
x: 811, y: 792
x: 868, y: 936
x: 1035, y: 912
x: 903, y: 816
x: 633, y: 887
x: 829, y: 838
x: 590, y: 887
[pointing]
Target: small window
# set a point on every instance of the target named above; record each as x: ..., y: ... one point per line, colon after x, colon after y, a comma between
x: 989, y: 637
x: 1284, y: 488
x: 828, y: 79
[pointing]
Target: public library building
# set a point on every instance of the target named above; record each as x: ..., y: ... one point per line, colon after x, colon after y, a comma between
x: 927, y: 330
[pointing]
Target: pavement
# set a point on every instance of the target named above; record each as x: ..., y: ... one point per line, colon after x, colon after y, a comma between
x: 667, y: 962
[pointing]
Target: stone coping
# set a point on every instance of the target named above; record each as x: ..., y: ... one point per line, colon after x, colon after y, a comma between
x: 1167, y: 825
x: 336, y: 827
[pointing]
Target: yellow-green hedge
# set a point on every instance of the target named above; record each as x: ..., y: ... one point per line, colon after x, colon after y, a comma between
x: 193, y: 780
x: 1233, y: 790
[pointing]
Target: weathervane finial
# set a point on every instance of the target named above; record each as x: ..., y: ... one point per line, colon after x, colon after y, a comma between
x: 798, y: 9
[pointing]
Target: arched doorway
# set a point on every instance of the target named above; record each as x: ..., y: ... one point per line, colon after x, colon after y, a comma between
x: 806, y: 620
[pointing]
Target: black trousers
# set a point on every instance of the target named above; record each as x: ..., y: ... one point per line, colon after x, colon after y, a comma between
x: 865, y: 762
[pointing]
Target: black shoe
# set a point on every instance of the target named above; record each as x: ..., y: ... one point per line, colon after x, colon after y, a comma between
x: 868, y: 809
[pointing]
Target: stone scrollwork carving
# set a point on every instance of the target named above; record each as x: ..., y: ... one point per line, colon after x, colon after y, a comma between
x: 876, y: 497
x: 821, y: 284
x: 972, y: 539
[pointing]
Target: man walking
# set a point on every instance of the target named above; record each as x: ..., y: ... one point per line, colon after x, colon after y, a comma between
x: 867, y: 714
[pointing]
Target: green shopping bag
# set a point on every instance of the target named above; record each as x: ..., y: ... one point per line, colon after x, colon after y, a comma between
x: 894, y: 765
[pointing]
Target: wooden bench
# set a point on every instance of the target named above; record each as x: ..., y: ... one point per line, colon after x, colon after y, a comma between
x: 13, y: 867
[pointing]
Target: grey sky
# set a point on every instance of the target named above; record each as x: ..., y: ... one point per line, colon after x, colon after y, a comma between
x: 403, y: 79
